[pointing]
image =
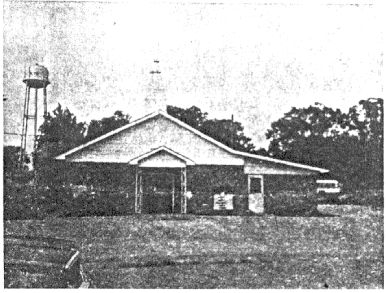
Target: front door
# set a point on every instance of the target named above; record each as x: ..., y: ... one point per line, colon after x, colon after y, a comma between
x: 256, y: 194
x: 158, y: 193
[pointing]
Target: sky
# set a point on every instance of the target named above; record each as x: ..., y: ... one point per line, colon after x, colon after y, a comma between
x: 253, y: 61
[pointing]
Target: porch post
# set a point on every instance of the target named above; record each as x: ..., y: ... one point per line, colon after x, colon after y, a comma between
x: 183, y: 191
x: 138, y: 190
x: 173, y: 194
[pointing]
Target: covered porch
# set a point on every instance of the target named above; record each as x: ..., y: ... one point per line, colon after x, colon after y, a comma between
x: 160, y: 190
x: 160, y: 182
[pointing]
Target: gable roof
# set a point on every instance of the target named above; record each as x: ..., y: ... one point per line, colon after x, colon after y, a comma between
x: 195, y: 131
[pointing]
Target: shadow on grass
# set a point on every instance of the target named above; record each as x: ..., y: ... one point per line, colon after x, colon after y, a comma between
x: 304, y: 214
x: 191, y: 260
x: 175, y: 217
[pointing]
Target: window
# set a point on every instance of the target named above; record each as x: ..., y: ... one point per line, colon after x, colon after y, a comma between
x: 255, y: 184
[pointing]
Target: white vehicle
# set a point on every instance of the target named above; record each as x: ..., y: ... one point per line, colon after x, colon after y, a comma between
x: 328, y: 187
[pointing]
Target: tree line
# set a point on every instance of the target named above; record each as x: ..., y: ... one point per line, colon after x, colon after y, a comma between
x: 349, y: 144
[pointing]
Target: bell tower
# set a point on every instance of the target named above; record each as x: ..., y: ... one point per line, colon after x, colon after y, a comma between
x: 155, y: 94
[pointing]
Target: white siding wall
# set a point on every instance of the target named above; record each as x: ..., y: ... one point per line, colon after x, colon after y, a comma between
x: 255, y: 166
x: 153, y: 133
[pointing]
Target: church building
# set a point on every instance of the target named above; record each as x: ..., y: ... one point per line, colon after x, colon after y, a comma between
x: 162, y: 165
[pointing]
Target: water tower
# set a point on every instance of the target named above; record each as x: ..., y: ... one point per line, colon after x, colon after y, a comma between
x: 35, y: 78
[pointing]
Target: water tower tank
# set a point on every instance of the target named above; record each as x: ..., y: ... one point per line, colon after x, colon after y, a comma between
x: 36, y: 77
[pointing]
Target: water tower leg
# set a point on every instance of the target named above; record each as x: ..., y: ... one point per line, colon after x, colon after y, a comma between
x: 23, y: 127
x: 26, y: 117
x: 45, y: 100
x: 36, y: 119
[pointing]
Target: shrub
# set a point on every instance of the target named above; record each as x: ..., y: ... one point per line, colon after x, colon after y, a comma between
x: 290, y: 203
x: 201, y: 203
x: 25, y: 201
x: 369, y: 197
x: 18, y: 203
x: 90, y: 203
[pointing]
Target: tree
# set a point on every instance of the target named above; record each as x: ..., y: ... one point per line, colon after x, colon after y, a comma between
x: 366, y: 121
x: 228, y: 132
x: 101, y: 127
x: 60, y: 132
x: 349, y: 144
x: 192, y: 116
x: 301, y: 126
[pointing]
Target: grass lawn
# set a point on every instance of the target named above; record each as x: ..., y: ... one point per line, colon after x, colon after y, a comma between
x: 158, y: 251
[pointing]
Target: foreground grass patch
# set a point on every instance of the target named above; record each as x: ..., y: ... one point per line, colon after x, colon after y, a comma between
x: 157, y: 251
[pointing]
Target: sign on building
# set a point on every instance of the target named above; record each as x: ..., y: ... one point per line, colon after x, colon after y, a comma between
x: 223, y: 202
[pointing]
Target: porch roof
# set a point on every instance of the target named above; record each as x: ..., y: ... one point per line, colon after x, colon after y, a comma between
x: 137, y: 160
